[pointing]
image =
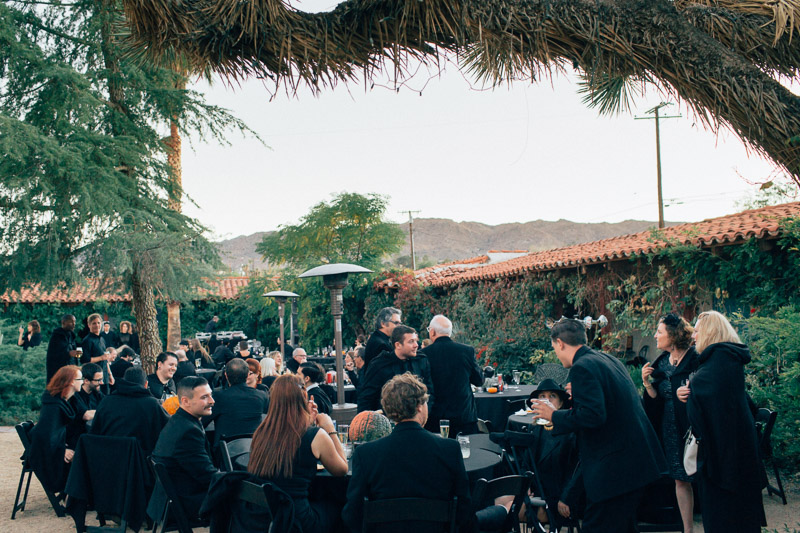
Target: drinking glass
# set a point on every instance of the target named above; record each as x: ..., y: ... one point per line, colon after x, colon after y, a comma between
x: 517, y: 374
x: 444, y: 428
x: 463, y: 441
x: 342, y: 430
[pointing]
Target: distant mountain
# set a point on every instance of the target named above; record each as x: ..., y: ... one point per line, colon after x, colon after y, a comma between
x: 442, y: 239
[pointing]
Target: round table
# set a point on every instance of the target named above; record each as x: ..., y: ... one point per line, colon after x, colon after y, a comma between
x: 207, y: 373
x: 521, y: 422
x: 498, y: 406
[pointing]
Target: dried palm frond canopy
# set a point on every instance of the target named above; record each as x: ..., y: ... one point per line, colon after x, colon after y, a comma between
x: 720, y: 57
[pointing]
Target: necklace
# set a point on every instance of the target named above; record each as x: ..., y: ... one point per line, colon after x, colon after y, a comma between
x: 674, y: 362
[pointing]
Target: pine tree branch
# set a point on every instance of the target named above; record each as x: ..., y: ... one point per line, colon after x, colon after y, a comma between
x: 30, y: 20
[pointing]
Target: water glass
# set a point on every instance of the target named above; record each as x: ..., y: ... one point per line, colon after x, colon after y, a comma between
x: 343, y: 430
x: 517, y: 375
x: 444, y: 428
x: 463, y: 441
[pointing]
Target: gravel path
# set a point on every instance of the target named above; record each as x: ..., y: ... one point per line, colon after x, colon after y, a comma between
x: 39, y: 517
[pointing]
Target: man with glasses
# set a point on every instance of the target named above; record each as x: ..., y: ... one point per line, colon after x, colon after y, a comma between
x: 86, y: 400
x: 388, y: 318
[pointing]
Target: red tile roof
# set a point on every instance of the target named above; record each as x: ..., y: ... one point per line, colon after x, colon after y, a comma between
x: 223, y: 288
x: 730, y: 229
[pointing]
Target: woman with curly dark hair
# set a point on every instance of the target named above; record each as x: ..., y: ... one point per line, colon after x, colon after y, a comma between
x: 31, y: 337
x: 661, y: 380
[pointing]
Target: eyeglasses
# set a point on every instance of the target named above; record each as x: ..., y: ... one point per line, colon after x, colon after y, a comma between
x: 395, y: 322
x: 95, y: 380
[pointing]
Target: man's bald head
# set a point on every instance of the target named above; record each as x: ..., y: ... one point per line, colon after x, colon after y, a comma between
x: 441, y: 326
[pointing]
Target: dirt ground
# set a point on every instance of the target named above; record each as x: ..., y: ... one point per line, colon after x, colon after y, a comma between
x: 39, y: 517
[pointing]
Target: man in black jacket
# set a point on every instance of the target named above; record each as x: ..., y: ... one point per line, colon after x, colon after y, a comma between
x: 131, y: 411
x: 618, y: 449
x: 94, y: 350
x: 388, y: 318
x: 453, y: 369
x: 238, y: 409
x: 160, y: 383
x: 409, y: 463
x: 61, y: 350
x: 403, y: 358
x: 182, y: 446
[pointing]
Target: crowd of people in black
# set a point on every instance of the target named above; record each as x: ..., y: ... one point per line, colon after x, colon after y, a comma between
x: 598, y: 446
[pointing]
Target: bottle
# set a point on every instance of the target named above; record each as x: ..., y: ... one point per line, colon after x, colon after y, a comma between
x: 500, y: 382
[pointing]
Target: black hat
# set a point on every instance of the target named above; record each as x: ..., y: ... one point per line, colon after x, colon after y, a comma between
x: 549, y: 385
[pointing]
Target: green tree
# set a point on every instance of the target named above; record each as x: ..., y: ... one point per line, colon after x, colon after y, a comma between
x: 349, y: 229
x: 85, y: 181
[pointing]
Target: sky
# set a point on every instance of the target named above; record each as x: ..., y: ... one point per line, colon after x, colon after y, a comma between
x: 445, y: 147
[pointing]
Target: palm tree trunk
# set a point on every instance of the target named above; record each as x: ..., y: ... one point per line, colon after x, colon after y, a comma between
x: 173, y: 143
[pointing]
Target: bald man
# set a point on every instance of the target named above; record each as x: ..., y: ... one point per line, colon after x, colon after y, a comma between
x: 453, y: 368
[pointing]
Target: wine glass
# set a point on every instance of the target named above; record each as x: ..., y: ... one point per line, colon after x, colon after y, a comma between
x: 516, y: 377
x: 444, y: 428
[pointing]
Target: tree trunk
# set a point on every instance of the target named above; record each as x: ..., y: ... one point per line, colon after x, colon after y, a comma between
x: 173, y: 325
x: 144, y: 309
x: 173, y: 143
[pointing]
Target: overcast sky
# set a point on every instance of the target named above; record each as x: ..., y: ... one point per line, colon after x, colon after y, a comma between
x: 444, y: 148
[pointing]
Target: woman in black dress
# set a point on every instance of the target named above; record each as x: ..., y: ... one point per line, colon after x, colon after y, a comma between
x: 50, y: 453
x: 285, y: 450
x: 31, y: 337
x: 729, y: 472
x: 661, y: 379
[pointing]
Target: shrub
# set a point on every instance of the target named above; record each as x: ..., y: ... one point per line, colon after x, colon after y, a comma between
x: 22, y: 376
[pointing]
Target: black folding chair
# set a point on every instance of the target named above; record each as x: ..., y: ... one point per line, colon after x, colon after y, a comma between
x: 486, y: 492
x: 276, y: 508
x: 519, y: 456
x: 173, y: 509
x: 766, y: 419
x: 231, y: 448
x: 24, y: 432
x: 401, y: 510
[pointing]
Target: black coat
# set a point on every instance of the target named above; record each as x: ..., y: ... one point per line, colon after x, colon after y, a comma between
x: 62, y: 342
x: 720, y: 417
x: 385, y: 367
x: 237, y: 410
x: 183, y: 450
x: 32, y: 341
x: 377, y: 343
x: 111, y: 339
x: 654, y: 407
x: 49, y: 442
x: 453, y: 369
x: 159, y: 390
x: 390, y: 468
x: 556, y: 460
x: 129, y: 339
x: 185, y: 368
x: 118, y: 368
x: 94, y: 346
x: 131, y: 411
x: 323, y: 401
x: 618, y: 448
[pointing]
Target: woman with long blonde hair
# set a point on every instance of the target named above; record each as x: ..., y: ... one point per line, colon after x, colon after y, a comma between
x: 286, y: 447
x: 729, y: 472
x: 198, y: 352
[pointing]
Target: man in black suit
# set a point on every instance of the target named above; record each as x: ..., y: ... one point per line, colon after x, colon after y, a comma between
x: 211, y: 325
x: 403, y: 358
x: 409, y: 463
x: 388, y: 318
x: 61, y: 350
x: 299, y: 357
x: 618, y: 449
x: 238, y: 408
x: 453, y: 369
x: 94, y: 350
x: 182, y: 446
x: 131, y: 411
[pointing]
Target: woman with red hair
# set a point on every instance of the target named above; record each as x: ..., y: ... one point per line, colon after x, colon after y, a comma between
x: 50, y: 453
x: 254, y: 378
x: 286, y: 447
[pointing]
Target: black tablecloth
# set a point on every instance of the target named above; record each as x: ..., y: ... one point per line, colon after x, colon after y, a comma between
x: 498, y: 406
x: 520, y: 422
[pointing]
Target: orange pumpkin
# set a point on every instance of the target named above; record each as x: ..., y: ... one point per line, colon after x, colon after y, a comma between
x: 368, y: 426
x: 171, y: 405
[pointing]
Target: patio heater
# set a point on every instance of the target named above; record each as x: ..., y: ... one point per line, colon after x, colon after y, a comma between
x: 281, y: 297
x: 294, y: 336
x: 334, y: 277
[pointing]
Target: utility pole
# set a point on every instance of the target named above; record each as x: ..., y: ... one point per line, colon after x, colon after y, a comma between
x: 411, y: 237
x: 657, y: 118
